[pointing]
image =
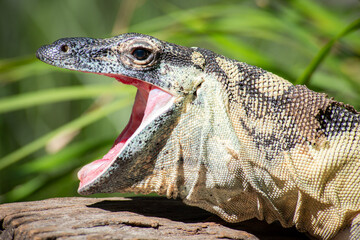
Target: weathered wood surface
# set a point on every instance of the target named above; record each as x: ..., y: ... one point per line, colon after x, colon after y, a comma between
x: 125, y: 218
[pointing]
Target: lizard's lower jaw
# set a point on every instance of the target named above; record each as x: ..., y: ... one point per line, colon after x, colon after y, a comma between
x: 150, y: 102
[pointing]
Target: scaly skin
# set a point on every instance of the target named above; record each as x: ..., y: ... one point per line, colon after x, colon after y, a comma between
x: 236, y: 140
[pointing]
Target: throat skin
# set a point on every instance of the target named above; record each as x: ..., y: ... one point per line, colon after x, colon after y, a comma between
x: 225, y: 136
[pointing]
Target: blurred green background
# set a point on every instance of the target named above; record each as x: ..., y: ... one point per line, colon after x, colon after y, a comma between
x: 54, y: 121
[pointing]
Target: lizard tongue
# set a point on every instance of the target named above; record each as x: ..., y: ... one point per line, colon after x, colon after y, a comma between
x: 150, y: 102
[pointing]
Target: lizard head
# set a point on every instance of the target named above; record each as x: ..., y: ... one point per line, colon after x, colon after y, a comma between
x: 164, y: 80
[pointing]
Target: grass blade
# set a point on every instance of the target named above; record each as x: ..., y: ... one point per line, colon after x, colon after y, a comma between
x: 318, y: 59
x: 60, y: 94
x: 69, y: 127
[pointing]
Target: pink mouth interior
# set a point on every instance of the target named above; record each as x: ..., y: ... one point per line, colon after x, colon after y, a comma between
x: 149, y: 102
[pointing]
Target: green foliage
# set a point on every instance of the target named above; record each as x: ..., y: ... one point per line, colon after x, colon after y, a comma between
x: 53, y: 121
x: 305, y: 77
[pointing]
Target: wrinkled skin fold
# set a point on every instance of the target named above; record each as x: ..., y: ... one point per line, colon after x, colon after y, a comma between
x: 223, y: 135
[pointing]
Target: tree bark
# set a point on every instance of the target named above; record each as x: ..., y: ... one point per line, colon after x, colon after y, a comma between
x: 125, y: 218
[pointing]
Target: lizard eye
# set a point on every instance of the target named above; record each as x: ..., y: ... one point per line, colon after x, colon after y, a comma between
x: 141, y: 53
x: 64, y: 48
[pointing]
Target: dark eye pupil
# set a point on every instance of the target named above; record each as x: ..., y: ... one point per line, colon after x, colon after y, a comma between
x: 64, y: 48
x: 141, y: 54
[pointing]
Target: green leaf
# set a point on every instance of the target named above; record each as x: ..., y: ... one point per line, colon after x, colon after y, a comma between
x: 26, y: 100
x: 318, y: 59
x: 69, y: 127
x: 50, y: 167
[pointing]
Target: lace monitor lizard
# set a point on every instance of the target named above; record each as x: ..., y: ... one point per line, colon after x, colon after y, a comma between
x: 223, y: 135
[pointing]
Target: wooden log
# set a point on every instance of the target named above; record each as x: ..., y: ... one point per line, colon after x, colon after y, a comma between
x: 125, y: 218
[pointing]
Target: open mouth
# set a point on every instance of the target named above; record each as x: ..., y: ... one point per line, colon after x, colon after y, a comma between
x: 150, y: 102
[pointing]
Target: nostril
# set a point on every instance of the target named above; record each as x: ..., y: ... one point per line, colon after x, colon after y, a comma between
x: 64, y: 48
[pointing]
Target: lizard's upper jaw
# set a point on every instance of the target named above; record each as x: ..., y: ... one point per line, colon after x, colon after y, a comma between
x: 150, y: 103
